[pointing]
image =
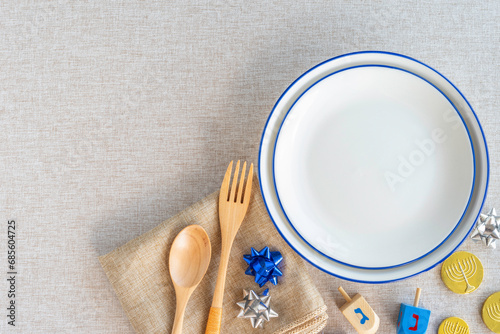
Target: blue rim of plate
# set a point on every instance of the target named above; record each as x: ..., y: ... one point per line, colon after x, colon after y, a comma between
x: 290, y: 220
x: 483, y: 142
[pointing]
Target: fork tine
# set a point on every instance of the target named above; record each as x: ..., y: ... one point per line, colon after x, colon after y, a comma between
x: 239, y: 198
x: 248, y: 188
x: 232, y: 194
x: 224, y: 189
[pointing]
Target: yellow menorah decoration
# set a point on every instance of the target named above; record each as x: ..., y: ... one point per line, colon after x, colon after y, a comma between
x: 493, y: 311
x: 462, y: 272
x: 454, y: 328
x: 454, y: 325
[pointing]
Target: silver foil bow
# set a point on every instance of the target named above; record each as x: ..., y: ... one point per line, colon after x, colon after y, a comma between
x: 486, y: 229
x: 256, y: 308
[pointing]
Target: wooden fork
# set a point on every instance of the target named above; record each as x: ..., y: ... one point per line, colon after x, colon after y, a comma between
x: 233, y: 205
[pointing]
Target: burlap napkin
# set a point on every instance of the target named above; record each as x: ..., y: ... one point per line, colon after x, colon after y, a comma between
x: 138, y: 272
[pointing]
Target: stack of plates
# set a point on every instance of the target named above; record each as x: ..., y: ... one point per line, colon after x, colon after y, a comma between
x: 373, y: 167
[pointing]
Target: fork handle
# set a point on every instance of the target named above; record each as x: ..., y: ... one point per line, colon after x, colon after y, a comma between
x: 215, y: 315
x: 214, y: 321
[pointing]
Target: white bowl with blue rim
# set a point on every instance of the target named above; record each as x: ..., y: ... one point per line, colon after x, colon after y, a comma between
x: 373, y: 166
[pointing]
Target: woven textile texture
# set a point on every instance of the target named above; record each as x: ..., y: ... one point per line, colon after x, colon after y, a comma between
x: 117, y: 115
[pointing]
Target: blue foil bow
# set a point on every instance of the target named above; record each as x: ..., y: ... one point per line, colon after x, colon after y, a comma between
x: 263, y: 265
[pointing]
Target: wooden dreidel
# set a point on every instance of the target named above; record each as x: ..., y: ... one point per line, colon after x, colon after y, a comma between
x: 359, y: 314
x: 413, y: 319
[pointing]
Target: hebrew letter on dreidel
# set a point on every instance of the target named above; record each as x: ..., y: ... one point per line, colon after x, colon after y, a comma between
x: 414, y: 328
x: 363, y: 317
x: 359, y: 314
x: 413, y: 319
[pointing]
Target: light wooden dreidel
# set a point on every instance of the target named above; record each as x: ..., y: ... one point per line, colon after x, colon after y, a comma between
x: 359, y: 313
x: 413, y: 319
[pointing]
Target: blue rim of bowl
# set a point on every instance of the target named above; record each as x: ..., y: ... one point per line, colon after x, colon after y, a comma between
x: 483, y: 141
x: 290, y: 220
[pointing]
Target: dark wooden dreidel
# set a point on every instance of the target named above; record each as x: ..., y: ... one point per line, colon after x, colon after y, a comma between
x: 359, y: 314
x: 413, y: 319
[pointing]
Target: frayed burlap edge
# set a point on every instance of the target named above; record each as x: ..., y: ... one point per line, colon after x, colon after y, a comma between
x: 311, y: 323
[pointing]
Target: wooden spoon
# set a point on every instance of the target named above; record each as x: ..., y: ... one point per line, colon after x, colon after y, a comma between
x: 188, y: 262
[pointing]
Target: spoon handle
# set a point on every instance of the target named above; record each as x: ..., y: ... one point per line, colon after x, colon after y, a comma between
x: 179, y: 313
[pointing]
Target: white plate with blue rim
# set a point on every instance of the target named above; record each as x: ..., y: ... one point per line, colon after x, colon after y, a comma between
x: 373, y: 166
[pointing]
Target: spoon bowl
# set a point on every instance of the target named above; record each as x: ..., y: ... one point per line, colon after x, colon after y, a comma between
x: 188, y: 262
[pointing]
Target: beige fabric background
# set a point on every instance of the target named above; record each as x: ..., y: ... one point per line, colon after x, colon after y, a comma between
x: 115, y: 115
